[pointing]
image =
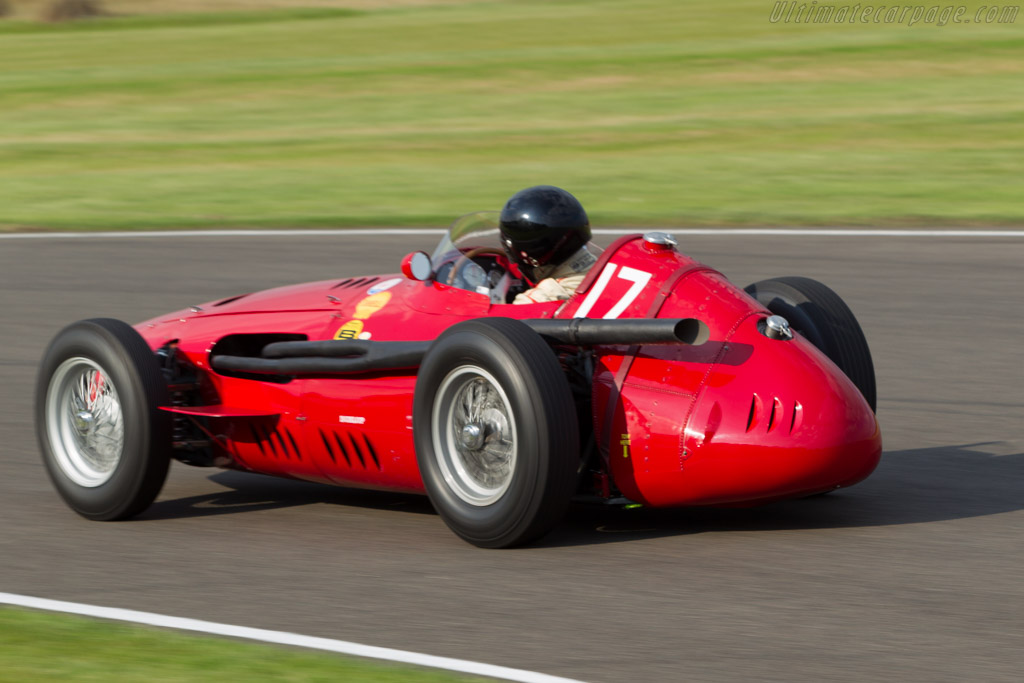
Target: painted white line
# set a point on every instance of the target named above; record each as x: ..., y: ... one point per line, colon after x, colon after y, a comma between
x: 362, y: 232
x: 283, y: 638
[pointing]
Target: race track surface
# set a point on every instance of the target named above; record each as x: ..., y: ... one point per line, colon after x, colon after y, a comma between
x: 915, y: 574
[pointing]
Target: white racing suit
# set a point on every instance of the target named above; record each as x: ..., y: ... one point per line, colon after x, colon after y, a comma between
x: 562, y: 282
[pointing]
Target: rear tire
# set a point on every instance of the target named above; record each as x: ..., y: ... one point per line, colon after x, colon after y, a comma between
x: 820, y: 315
x: 105, y: 443
x: 495, y: 429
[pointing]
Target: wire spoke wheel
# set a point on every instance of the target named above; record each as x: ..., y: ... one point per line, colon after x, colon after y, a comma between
x: 477, y: 451
x: 105, y: 442
x: 85, y: 422
x: 495, y: 429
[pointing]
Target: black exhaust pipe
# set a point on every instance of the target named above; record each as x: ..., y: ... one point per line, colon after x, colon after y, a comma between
x: 598, y: 332
x: 352, y: 356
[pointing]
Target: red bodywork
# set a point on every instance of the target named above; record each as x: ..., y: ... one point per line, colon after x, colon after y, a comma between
x: 740, y: 419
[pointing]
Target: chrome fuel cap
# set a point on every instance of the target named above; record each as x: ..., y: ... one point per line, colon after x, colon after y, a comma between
x: 777, y: 327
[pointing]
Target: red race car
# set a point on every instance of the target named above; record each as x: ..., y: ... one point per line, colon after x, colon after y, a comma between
x: 658, y: 382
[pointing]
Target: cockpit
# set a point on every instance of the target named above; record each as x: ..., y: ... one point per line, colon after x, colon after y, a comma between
x: 471, y: 257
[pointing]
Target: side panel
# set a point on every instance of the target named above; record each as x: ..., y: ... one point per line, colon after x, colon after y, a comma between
x: 271, y: 444
x: 359, y: 431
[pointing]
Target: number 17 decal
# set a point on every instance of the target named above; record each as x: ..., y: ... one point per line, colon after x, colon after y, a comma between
x: 639, y: 279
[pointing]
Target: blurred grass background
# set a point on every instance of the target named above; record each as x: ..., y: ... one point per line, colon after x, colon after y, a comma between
x: 40, y: 646
x: 363, y: 112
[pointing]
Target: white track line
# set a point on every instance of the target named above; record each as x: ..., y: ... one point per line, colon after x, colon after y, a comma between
x: 283, y: 638
x: 362, y: 232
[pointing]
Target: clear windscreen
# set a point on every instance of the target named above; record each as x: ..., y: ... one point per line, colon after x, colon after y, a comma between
x: 479, y: 229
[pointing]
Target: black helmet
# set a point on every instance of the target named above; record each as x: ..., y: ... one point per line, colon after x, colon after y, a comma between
x: 543, y: 225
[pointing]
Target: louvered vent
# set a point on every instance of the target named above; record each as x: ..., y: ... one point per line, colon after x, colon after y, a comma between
x: 774, y: 415
x: 354, y: 449
x: 279, y: 444
x: 351, y: 283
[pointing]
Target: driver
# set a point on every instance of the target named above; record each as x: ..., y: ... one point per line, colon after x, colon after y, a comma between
x: 545, y: 231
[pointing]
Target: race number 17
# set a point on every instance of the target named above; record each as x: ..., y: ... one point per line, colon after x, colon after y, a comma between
x: 638, y: 278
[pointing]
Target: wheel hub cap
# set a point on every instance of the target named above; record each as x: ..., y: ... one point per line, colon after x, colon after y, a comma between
x: 84, y: 422
x: 472, y: 436
x: 475, y: 442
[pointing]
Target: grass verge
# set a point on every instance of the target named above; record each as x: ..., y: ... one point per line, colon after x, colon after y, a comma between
x: 40, y: 646
x: 652, y: 112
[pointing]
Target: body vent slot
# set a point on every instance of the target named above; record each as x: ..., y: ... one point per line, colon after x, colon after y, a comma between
x: 295, y: 446
x: 327, y: 446
x: 351, y: 283
x: 267, y: 436
x: 756, y: 409
x: 257, y: 439
x: 798, y: 417
x: 344, y: 451
x: 373, y: 453
x: 775, y: 418
x: 284, y: 446
x: 359, y: 452
x: 230, y: 299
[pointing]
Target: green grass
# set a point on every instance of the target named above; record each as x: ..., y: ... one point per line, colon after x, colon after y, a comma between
x: 651, y: 112
x: 39, y: 646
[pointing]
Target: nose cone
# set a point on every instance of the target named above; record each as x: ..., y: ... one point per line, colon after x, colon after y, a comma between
x: 781, y: 421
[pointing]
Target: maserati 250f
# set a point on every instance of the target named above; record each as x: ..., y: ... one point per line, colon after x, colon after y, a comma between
x: 658, y: 382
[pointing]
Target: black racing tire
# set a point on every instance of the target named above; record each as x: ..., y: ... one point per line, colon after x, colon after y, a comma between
x: 820, y: 315
x: 495, y: 430
x: 105, y: 443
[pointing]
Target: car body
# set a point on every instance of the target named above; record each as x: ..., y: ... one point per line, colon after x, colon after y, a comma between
x: 729, y: 411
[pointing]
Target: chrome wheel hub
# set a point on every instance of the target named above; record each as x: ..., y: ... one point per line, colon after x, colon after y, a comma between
x: 474, y: 435
x: 84, y: 422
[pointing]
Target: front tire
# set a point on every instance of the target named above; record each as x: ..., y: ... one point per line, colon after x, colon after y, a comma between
x: 820, y: 315
x: 105, y: 443
x: 495, y: 429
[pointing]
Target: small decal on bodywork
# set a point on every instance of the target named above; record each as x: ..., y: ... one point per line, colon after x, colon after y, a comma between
x: 352, y: 419
x: 372, y: 304
x: 624, y: 442
x: 350, y: 330
x: 384, y: 286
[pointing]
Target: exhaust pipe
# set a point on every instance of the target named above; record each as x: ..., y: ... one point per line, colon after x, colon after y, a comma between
x: 337, y: 357
x: 598, y: 332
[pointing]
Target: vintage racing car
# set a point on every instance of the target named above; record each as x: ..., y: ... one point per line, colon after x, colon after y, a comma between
x: 659, y: 382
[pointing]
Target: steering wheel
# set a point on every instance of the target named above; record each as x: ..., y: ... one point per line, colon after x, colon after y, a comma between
x: 467, y: 258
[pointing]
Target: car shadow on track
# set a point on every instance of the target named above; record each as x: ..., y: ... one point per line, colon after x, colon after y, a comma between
x: 248, y: 492
x: 909, y: 487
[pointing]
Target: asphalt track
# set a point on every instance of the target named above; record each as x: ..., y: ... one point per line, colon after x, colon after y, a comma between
x: 915, y: 574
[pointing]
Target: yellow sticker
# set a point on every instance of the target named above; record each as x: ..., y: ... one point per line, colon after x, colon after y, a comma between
x: 624, y: 442
x: 372, y: 304
x: 349, y: 330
